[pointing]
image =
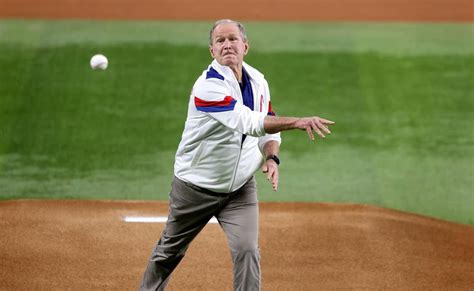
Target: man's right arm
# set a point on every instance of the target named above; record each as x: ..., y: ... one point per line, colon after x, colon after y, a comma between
x: 274, y: 124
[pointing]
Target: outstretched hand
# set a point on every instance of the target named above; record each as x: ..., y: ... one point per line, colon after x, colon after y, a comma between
x: 316, y: 124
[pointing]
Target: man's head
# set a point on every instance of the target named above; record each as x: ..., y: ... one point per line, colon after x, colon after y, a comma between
x: 228, y: 42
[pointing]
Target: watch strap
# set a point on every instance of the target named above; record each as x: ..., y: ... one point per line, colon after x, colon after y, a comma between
x: 275, y: 158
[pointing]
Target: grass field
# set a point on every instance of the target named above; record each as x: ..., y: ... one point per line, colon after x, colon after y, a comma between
x: 401, y: 94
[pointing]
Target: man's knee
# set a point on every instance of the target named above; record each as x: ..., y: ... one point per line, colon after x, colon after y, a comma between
x: 244, y: 244
x: 245, y: 252
x: 166, y: 258
x: 167, y: 253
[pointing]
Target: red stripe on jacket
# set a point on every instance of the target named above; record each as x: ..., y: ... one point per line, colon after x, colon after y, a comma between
x: 203, y: 103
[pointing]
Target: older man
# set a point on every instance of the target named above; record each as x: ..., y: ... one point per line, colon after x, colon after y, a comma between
x: 230, y: 132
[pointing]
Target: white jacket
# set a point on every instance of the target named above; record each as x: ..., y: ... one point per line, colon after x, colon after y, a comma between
x: 211, y: 154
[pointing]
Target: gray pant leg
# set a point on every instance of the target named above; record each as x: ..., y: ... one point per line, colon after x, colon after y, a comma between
x: 189, y: 212
x: 239, y: 220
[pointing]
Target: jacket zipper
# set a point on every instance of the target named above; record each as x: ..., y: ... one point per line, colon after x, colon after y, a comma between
x: 236, y: 165
x: 241, y: 142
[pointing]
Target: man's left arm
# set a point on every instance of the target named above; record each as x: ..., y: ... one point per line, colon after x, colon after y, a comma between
x: 271, y: 149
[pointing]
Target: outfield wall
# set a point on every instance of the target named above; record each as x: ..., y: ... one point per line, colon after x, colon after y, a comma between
x: 311, y: 10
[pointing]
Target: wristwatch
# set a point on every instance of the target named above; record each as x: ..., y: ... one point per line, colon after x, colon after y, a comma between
x: 275, y: 158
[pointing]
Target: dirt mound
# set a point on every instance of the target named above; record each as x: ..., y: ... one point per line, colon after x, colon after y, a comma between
x: 87, y: 245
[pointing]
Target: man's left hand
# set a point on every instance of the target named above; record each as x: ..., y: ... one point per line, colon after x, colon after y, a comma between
x: 270, y: 168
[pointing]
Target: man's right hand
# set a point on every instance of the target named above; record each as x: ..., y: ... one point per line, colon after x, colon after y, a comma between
x: 274, y: 124
x: 316, y: 124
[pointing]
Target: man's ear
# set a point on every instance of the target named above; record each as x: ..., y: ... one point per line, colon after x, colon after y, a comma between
x: 246, y: 47
x: 211, y: 51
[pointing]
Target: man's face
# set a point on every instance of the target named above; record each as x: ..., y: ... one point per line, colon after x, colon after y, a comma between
x: 228, y: 47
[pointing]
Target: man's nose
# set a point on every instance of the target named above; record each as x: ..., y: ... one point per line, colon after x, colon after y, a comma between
x: 226, y: 43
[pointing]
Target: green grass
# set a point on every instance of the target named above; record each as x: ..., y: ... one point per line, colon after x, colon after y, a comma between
x: 387, y: 38
x: 401, y: 94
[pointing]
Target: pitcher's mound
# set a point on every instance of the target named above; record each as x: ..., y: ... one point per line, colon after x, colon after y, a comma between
x: 87, y: 245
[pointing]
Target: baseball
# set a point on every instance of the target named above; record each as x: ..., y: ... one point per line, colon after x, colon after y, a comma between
x: 99, y: 62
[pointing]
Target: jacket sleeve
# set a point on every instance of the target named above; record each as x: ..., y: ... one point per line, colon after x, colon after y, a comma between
x: 268, y: 137
x: 213, y: 97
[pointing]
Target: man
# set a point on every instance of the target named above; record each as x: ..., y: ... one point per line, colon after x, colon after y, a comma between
x: 230, y: 132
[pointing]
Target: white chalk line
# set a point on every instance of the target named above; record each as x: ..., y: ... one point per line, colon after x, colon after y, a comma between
x: 154, y: 219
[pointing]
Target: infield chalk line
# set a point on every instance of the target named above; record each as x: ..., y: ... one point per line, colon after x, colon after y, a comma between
x: 154, y: 219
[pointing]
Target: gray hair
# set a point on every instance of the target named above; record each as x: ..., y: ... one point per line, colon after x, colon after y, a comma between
x: 241, y: 27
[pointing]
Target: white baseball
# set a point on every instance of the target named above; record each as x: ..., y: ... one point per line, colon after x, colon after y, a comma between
x: 99, y: 62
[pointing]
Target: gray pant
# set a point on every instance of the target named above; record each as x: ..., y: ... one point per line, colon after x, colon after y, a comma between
x: 190, y: 208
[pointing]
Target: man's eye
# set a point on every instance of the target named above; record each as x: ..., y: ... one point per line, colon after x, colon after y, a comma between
x: 220, y: 40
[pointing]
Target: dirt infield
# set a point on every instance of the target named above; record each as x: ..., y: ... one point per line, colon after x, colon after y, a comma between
x: 322, y: 10
x: 86, y: 245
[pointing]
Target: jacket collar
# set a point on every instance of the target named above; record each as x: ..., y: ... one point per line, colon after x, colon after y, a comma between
x: 229, y: 75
